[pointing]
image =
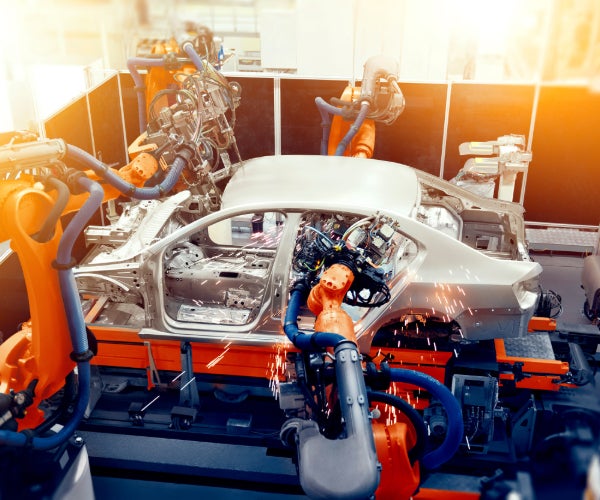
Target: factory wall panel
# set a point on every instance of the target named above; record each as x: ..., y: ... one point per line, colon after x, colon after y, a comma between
x: 255, y: 123
x: 72, y: 124
x: 563, y: 182
x: 107, y: 123
x: 301, y: 130
x: 484, y: 112
x: 416, y: 137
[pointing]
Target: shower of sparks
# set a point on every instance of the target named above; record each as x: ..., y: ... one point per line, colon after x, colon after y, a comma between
x: 276, y: 369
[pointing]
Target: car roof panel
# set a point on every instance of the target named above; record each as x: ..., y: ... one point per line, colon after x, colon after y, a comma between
x: 310, y: 180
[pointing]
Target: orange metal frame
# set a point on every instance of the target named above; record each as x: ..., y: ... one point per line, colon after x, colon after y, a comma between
x: 122, y: 347
x: 542, y: 374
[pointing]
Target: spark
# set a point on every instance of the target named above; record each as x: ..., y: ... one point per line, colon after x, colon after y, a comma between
x: 148, y: 405
x: 455, y: 353
x: 216, y: 360
x: 193, y: 379
x: 178, y: 377
x: 468, y: 444
x: 434, y: 347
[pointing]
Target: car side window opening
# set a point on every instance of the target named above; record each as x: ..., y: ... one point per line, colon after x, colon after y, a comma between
x: 220, y: 274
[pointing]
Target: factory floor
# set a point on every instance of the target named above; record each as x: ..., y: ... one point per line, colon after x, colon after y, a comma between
x: 561, y: 274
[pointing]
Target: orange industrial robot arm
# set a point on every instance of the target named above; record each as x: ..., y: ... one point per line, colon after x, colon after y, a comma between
x: 350, y: 130
x: 393, y: 440
x: 35, y: 361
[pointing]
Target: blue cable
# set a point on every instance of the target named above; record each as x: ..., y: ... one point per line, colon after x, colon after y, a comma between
x: 305, y: 341
x: 146, y: 193
x: 132, y: 65
x: 454, y: 433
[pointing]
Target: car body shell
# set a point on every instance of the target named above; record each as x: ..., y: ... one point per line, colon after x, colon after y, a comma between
x: 488, y: 291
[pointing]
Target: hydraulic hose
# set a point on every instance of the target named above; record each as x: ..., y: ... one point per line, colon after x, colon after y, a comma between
x: 49, y: 225
x: 416, y: 452
x: 326, y: 110
x: 305, y: 341
x: 364, y: 111
x: 88, y: 161
x: 324, y: 106
x: 325, y: 123
x: 455, y: 430
x: 75, y: 321
x: 64, y: 263
x: 132, y: 65
x: 188, y: 48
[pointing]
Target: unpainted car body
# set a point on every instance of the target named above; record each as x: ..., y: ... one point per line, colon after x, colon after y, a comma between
x: 446, y: 254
